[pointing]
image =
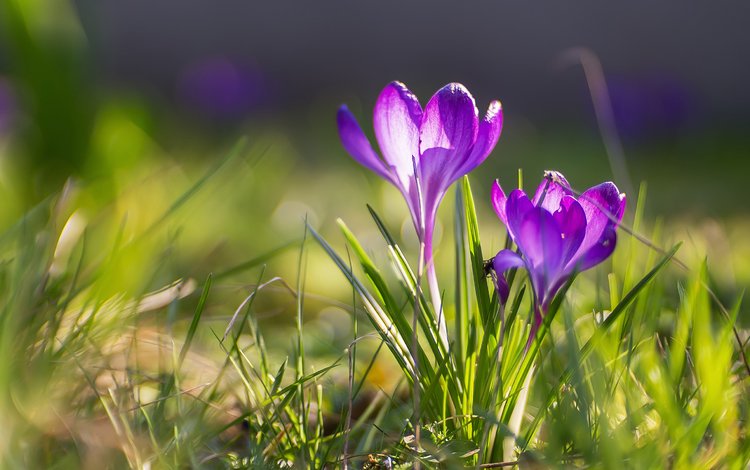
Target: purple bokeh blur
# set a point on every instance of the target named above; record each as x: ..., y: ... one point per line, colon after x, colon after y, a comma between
x: 650, y: 106
x: 220, y: 88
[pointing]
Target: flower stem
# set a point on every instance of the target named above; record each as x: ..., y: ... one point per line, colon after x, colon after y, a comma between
x: 536, y: 322
x: 435, y: 293
x: 437, y: 301
x: 415, y: 356
x: 516, y: 418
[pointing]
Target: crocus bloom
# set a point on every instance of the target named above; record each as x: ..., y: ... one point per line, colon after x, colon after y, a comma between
x: 423, y: 151
x: 557, y: 234
x: 443, y: 142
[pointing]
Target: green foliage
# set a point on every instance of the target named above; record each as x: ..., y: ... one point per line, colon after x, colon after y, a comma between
x: 95, y: 366
x: 624, y: 397
x: 643, y: 392
x: 45, y: 46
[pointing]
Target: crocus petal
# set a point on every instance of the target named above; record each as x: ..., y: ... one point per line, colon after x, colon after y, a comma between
x: 396, y: 121
x: 540, y: 241
x: 604, y: 197
x: 504, y: 260
x: 572, y: 221
x: 487, y: 136
x: 598, y: 251
x: 604, y: 206
x: 516, y: 208
x: 449, y: 120
x: 447, y: 133
x: 498, y: 201
x: 414, y: 201
x: 551, y: 190
x: 432, y: 203
x: 355, y: 142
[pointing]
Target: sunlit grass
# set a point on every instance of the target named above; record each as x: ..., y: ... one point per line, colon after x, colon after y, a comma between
x: 132, y: 334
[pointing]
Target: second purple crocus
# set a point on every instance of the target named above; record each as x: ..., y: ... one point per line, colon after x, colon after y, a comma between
x: 557, y: 234
x: 423, y: 151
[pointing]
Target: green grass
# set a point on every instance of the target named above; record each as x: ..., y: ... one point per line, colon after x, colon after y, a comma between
x: 112, y: 351
x: 598, y: 408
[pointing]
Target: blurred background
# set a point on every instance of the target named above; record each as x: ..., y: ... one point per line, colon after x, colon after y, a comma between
x: 188, y: 74
x: 131, y: 102
x: 677, y: 76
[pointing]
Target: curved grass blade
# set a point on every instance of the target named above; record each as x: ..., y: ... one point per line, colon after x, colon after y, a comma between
x: 390, y: 332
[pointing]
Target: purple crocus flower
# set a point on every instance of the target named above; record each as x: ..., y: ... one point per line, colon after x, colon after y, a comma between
x: 557, y: 234
x: 424, y: 150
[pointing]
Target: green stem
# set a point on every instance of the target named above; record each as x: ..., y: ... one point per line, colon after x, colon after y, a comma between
x: 514, y: 425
